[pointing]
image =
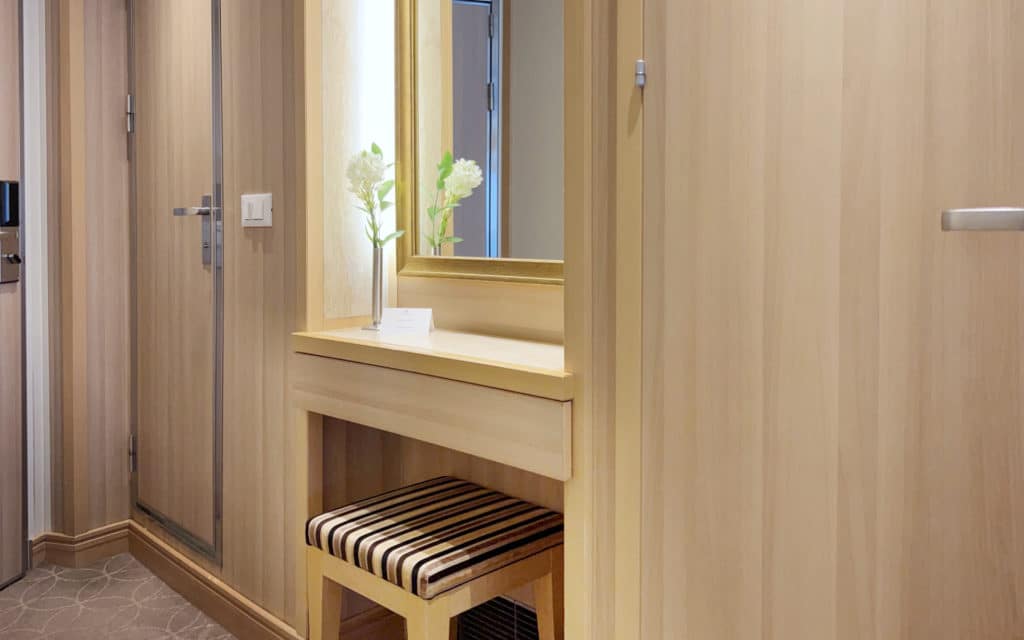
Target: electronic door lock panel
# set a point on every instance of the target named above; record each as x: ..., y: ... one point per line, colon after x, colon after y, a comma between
x: 9, y: 204
x: 10, y: 245
x: 10, y: 255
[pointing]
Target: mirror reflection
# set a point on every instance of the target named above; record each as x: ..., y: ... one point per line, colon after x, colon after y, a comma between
x: 490, y: 128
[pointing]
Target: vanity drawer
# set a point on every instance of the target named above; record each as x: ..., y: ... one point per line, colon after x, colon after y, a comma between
x: 519, y: 430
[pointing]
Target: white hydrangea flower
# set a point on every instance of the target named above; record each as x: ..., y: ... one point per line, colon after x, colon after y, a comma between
x: 365, y: 171
x: 466, y: 176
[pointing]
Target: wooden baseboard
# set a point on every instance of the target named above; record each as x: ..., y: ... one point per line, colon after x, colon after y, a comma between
x: 232, y: 610
x: 81, y: 550
x: 211, y: 595
x: 236, y: 613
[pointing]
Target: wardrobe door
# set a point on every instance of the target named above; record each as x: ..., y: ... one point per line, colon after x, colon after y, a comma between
x: 178, y: 264
x: 834, y: 424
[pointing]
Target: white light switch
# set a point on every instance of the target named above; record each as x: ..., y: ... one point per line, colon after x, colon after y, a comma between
x: 257, y: 210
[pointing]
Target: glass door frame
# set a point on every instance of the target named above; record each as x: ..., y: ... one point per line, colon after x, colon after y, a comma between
x: 213, y: 552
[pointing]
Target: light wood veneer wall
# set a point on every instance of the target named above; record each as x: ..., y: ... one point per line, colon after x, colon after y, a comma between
x: 262, y: 154
x: 264, y: 118
x: 11, y: 433
x: 10, y: 103
x: 360, y: 462
x: 833, y: 443
x: 95, y: 338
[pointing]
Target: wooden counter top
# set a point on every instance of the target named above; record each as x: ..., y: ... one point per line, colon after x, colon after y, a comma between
x: 520, y: 366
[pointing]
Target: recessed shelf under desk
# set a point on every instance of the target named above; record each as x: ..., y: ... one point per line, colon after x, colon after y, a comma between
x: 442, y: 391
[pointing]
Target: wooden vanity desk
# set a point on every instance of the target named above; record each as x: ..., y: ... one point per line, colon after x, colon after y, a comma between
x: 508, y: 401
x: 498, y: 399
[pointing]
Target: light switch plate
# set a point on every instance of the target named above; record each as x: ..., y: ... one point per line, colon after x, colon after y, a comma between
x: 257, y: 210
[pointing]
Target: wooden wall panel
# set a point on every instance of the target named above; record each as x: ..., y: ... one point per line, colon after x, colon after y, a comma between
x: 360, y: 462
x: 591, y: 265
x: 259, y: 274
x: 108, y: 332
x: 12, y: 485
x: 94, y: 250
x: 260, y: 156
x: 832, y: 386
x: 173, y: 294
x: 10, y: 97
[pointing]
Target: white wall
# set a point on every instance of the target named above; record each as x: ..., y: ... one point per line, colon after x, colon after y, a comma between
x: 536, y: 104
x: 359, y: 109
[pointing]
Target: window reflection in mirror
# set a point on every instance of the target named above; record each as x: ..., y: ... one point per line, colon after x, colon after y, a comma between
x: 490, y: 89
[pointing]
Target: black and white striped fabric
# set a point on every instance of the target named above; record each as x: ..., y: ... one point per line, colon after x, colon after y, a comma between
x: 434, y: 536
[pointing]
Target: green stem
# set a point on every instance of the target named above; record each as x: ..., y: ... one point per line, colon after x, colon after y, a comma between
x: 371, y: 210
x: 436, y: 240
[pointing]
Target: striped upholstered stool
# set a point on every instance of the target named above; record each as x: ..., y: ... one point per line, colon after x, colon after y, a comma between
x: 431, y: 551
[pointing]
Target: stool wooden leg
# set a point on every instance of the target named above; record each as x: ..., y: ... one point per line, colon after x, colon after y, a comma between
x: 431, y: 625
x: 324, y: 597
x: 548, y: 595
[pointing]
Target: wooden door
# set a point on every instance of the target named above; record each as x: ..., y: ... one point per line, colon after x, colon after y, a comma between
x: 174, y: 308
x: 12, y: 440
x: 834, y: 443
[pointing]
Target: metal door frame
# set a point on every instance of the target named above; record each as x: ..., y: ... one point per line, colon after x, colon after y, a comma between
x: 494, y: 171
x: 215, y: 551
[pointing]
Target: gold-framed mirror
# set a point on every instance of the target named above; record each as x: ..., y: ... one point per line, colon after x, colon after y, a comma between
x: 480, y: 89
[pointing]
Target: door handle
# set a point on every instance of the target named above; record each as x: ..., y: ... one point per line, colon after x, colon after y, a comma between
x: 206, y: 211
x: 983, y: 219
x: 181, y: 212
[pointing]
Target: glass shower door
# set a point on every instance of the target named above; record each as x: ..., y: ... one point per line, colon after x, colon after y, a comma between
x: 178, y: 278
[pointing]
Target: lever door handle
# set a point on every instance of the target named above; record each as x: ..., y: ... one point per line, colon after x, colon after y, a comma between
x: 983, y: 219
x: 193, y: 211
x: 205, y: 209
x: 11, y: 258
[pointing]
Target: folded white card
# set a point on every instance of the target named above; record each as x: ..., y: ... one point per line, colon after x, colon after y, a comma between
x: 397, y: 321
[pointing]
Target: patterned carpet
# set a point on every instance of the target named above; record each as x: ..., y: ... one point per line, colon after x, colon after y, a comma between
x: 116, y: 599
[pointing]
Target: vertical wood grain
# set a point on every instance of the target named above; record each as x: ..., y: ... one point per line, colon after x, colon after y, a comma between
x: 74, y: 457
x: 12, y: 485
x: 10, y: 99
x: 173, y: 288
x: 591, y: 92
x: 832, y: 385
x: 259, y: 271
x: 92, y: 350
x: 107, y: 368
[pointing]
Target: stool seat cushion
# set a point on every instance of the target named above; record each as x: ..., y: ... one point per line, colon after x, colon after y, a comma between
x: 434, y: 536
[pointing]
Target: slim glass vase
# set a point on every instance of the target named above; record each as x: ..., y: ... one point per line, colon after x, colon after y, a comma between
x: 378, y: 288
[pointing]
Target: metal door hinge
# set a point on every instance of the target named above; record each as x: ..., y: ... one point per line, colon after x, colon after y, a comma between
x: 130, y: 113
x: 641, y: 73
x: 133, y: 454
